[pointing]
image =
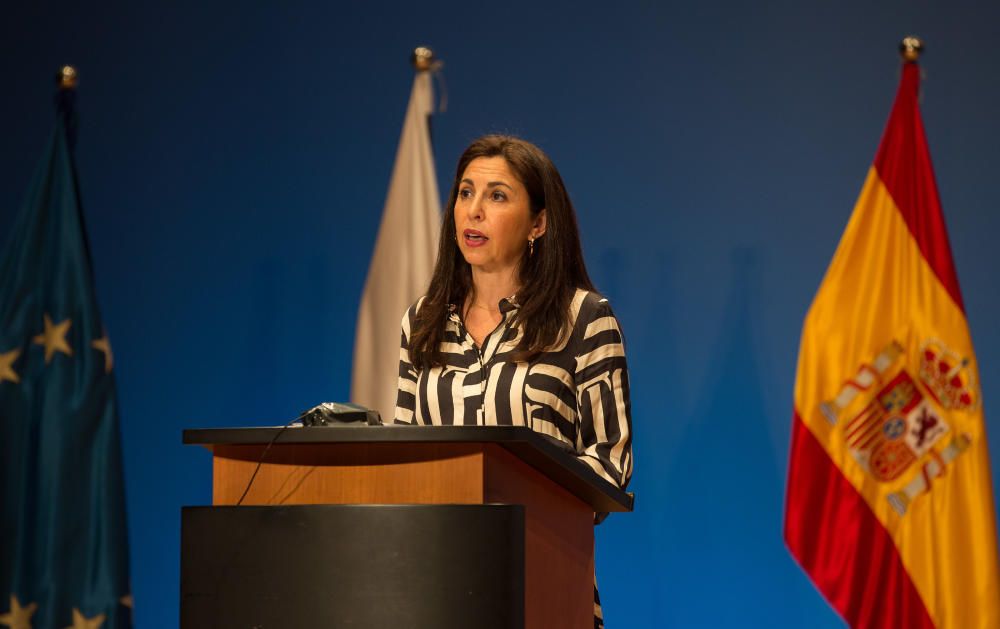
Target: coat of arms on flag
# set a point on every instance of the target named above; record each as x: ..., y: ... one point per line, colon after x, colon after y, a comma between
x: 890, y: 419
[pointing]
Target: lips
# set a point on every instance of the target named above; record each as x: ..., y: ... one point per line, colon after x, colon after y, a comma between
x: 474, y: 238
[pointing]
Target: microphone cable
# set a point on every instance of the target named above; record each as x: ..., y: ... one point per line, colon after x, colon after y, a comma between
x: 263, y: 454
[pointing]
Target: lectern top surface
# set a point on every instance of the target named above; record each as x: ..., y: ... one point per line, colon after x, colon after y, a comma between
x: 532, y: 447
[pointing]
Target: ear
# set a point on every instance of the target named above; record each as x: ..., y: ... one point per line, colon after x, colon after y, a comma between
x: 538, y: 228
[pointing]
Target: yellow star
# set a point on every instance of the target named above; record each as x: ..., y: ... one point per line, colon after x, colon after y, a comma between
x: 82, y: 622
x: 18, y: 617
x: 7, y: 366
x: 54, y: 338
x: 104, y: 345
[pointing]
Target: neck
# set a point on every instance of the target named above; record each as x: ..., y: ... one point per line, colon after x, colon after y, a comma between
x: 489, y: 287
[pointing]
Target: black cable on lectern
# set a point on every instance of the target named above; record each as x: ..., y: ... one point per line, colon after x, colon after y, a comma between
x: 264, y: 454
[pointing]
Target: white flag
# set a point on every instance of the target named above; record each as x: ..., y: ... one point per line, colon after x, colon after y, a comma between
x: 401, y: 266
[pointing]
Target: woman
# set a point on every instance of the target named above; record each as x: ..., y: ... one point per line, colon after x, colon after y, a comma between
x: 511, y: 331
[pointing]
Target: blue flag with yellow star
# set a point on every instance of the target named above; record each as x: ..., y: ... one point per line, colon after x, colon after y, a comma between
x: 63, y: 539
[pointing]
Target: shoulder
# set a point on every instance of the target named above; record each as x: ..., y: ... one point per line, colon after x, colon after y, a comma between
x: 588, y: 306
x: 409, y: 317
x: 414, y: 308
x: 594, y: 322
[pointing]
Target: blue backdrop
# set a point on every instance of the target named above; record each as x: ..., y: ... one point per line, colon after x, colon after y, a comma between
x: 234, y: 161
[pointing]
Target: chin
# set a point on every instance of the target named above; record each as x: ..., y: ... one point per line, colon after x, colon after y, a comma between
x: 474, y: 258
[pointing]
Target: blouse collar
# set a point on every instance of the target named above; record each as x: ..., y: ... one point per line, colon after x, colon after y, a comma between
x: 507, y: 304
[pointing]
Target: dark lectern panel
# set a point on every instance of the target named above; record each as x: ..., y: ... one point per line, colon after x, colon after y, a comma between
x: 359, y: 566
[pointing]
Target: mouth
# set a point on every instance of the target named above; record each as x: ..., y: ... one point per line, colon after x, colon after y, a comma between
x: 474, y: 238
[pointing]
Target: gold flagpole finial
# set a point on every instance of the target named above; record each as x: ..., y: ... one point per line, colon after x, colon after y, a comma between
x: 423, y: 59
x: 910, y: 48
x: 67, y: 78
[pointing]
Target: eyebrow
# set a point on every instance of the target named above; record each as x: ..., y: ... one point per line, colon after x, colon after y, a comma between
x: 489, y: 184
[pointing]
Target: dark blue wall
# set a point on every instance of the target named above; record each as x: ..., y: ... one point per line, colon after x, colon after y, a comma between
x: 234, y: 161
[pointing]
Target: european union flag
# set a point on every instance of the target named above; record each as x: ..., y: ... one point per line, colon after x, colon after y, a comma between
x: 63, y: 540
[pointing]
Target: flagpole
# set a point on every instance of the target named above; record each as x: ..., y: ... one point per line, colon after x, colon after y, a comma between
x: 66, y: 82
x: 910, y: 48
x: 67, y: 79
x: 423, y: 59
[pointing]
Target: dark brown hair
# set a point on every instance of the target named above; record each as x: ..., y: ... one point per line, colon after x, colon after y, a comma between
x: 548, y: 278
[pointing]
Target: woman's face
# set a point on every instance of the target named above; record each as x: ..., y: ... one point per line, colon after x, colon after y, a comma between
x: 493, y: 218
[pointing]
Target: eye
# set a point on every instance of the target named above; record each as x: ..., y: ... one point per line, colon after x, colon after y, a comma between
x: 465, y: 193
x: 498, y: 196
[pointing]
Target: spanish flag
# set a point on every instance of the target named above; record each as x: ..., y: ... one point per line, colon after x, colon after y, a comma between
x: 889, y: 507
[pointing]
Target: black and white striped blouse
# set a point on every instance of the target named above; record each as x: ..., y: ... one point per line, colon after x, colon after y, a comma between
x: 577, y: 392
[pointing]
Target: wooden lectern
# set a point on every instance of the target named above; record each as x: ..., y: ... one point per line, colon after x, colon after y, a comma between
x: 427, y: 478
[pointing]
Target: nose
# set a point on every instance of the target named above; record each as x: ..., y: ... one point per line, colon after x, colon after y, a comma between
x: 474, y: 209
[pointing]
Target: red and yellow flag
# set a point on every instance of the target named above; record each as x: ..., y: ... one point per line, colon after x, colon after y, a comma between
x: 890, y: 505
